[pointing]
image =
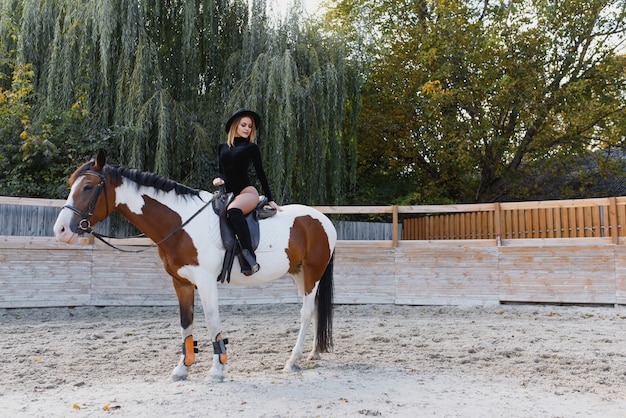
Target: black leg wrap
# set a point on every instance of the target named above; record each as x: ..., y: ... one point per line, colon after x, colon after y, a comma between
x: 219, y: 347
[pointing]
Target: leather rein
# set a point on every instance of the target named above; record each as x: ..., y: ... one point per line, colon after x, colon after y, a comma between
x: 85, y: 224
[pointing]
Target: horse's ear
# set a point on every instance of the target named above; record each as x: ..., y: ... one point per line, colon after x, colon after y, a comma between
x: 101, y: 159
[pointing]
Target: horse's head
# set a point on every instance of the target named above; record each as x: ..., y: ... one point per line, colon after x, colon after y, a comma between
x: 88, y: 201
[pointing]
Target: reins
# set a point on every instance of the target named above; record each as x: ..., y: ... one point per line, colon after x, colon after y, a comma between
x: 85, y: 225
x: 156, y: 244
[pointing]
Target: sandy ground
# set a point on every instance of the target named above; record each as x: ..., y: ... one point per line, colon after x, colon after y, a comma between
x: 511, y: 360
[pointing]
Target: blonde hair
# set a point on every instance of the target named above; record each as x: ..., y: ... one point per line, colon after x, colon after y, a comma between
x: 232, y: 132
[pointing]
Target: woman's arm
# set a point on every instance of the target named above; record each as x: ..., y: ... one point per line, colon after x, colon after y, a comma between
x: 219, y: 180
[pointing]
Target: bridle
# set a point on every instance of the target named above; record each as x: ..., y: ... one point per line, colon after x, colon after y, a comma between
x: 85, y: 224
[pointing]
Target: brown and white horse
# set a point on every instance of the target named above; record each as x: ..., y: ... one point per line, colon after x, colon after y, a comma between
x: 298, y: 241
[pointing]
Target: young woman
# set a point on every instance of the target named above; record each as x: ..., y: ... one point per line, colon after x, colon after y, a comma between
x: 234, y: 159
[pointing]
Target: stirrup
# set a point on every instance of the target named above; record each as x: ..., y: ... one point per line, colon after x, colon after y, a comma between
x: 251, y: 260
x: 253, y: 270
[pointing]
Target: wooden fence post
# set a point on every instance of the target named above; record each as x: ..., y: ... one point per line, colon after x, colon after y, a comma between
x: 394, y: 223
x: 614, y: 227
x: 497, y: 220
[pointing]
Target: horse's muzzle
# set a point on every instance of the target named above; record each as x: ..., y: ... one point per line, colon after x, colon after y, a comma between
x: 66, y: 228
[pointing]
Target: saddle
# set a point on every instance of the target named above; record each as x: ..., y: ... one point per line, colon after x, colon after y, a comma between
x: 221, y: 200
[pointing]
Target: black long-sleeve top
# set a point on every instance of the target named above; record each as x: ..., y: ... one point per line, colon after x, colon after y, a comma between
x: 234, y: 163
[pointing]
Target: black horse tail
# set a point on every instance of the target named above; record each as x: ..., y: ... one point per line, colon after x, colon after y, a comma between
x: 325, y: 291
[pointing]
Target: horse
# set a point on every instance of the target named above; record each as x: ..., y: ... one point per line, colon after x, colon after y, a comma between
x: 298, y: 241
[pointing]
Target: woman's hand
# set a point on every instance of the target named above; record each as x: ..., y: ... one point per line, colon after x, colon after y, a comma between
x: 273, y: 205
x: 217, y: 182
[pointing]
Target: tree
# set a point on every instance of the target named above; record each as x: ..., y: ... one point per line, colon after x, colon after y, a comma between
x: 155, y: 81
x: 466, y: 95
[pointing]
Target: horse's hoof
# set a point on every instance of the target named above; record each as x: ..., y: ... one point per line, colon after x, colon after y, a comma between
x: 177, y: 378
x: 292, y: 368
x: 215, y: 378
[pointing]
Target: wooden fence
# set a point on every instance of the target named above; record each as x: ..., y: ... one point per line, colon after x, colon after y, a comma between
x: 540, y: 252
x: 584, y: 218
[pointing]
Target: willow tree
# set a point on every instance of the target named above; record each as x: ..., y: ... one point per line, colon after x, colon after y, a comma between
x: 156, y: 80
x: 300, y: 88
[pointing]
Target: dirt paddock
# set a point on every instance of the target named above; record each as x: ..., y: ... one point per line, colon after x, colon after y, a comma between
x: 509, y: 360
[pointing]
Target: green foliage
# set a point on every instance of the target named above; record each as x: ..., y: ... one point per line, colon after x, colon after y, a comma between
x: 451, y: 101
x: 461, y: 98
x: 155, y: 81
x: 34, y: 156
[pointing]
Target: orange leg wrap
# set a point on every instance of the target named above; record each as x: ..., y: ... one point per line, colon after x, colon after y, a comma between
x: 189, y: 350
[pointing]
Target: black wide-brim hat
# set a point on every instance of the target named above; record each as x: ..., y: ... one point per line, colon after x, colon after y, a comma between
x: 241, y: 113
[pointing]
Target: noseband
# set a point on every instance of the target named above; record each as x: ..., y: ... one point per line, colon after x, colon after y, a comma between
x: 84, y: 224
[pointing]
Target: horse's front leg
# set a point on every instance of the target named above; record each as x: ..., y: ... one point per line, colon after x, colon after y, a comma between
x: 185, y: 293
x: 208, y: 296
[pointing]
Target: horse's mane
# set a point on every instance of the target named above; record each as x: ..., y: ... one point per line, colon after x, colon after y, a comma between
x: 139, y: 177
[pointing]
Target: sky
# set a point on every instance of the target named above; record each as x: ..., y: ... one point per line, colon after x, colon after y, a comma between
x: 284, y: 5
x: 311, y: 5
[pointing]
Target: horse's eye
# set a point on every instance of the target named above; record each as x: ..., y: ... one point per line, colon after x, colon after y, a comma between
x: 88, y: 187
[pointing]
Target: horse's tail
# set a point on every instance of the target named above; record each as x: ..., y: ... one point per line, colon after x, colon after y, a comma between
x: 325, y: 309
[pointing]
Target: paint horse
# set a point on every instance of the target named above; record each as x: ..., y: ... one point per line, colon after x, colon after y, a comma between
x: 298, y: 241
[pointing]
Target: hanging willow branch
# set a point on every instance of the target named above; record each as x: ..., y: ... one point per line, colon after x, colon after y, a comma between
x: 164, y: 75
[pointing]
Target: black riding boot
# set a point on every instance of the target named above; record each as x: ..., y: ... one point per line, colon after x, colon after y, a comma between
x: 238, y: 222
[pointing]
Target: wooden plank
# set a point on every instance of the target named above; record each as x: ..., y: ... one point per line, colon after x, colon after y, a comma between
x: 620, y: 274
x: 475, y: 225
x: 587, y: 222
x: 129, y: 278
x: 282, y: 290
x: 594, y: 222
x: 428, y: 227
x: 574, y: 274
x: 29, y: 201
x: 364, y: 273
x: 497, y: 222
x: 523, y: 229
x: 558, y: 223
x: 571, y: 217
x: 549, y: 219
x: 462, y: 274
x: 18, y: 243
x: 541, y: 222
x: 355, y: 210
x: 571, y: 203
x: 44, y: 277
x: 394, y: 228
x: 565, y: 219
x: 615, y: 214
x: 473, y: 207
x: 505, y: 224
x: 580, y: 222
x: 557, y: 242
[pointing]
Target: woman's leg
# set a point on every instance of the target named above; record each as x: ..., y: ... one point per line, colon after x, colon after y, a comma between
x: 243, y: 204
x: 247, y: 200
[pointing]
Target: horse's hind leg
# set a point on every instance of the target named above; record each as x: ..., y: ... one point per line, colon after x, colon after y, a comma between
x: 306, y: 314
x: 185, y: 293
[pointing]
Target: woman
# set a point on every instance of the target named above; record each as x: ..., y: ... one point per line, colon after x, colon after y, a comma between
x: 234, y: 160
